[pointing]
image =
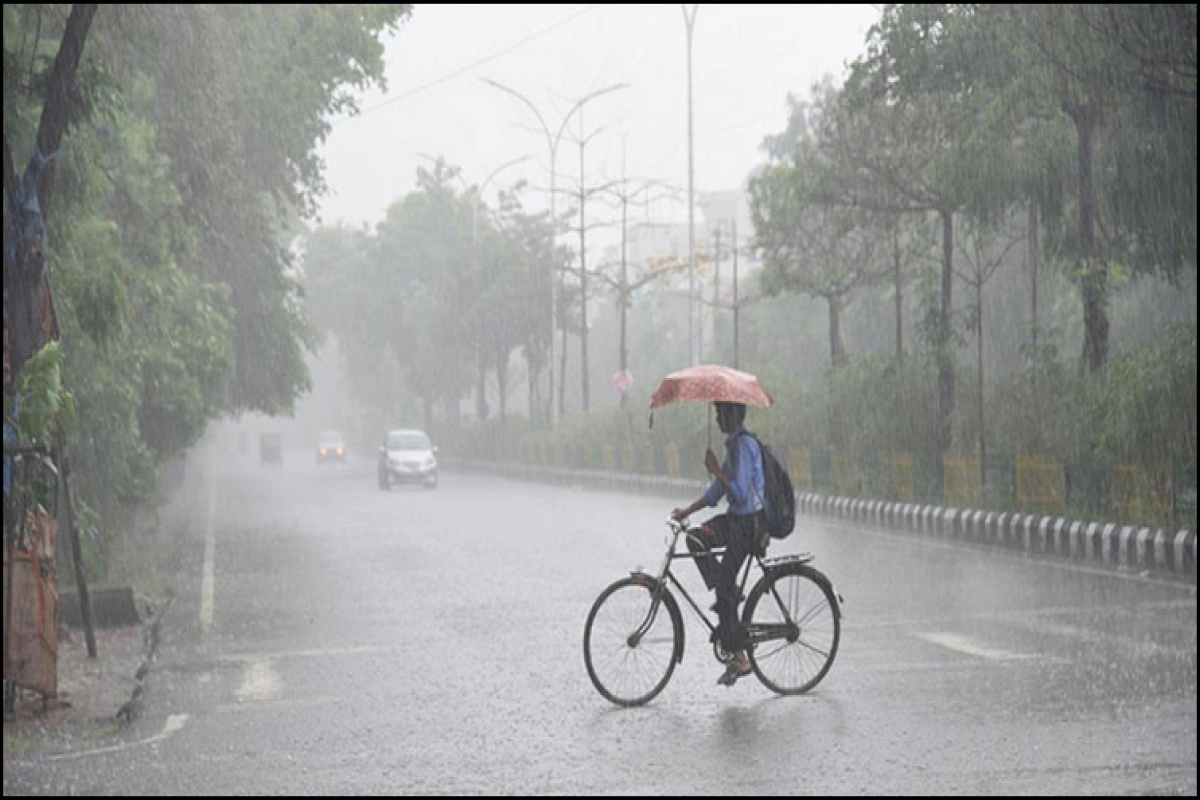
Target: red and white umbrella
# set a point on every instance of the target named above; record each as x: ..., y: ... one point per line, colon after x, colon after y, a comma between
x: 709, y: 383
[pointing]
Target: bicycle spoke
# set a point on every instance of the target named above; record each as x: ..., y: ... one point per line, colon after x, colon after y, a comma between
x: 625, y: 674
x: 792, y: 658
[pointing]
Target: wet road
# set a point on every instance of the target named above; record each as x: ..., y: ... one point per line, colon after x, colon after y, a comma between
x: 345, y: 639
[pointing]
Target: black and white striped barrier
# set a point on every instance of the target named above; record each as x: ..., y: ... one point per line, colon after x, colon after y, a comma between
x: 1108, y: 544
x: 1122, y: 546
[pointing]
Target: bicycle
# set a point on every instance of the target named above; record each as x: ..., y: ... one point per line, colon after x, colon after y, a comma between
x: 792, y: 614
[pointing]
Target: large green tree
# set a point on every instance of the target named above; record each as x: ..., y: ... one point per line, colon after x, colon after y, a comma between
x: 1124, y: 77
x: 437, y: 298
x: 186, y: 149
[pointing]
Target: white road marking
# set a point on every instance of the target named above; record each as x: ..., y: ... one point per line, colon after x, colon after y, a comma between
x: 322, y: 653
x: 173, y: 725
x: 276, y: 705
x: 961, y: 644
x: 260, y: 682
x: 1108, y: 640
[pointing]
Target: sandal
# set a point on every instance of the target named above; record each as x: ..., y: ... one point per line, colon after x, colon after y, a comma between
x: 734, y: 671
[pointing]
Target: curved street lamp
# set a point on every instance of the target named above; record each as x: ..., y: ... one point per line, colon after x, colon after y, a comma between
x: 482, y: 186
x: 552, y: 144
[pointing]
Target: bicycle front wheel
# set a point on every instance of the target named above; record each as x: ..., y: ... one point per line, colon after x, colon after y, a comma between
x: 792, y: 652
x: 629, y: 642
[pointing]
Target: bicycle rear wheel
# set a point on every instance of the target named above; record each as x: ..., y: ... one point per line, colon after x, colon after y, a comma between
x: 630, y: 651
x: 792, y: 658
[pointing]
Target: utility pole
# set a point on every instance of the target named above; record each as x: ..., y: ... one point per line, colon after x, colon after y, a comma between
x: 584, y: 194
x: 552, y: 144
x: 622, y: 285
x: 583, y: 287
x: 689, y: 19
x: 716, y: 303
x: 736, y: 306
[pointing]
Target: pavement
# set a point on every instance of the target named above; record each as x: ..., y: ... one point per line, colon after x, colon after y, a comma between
x: 97, y: 697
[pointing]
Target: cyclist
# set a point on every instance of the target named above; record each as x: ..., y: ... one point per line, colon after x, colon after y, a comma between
x: 740, y: 530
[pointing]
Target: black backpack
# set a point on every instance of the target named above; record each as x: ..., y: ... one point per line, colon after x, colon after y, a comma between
x: 779, y: 501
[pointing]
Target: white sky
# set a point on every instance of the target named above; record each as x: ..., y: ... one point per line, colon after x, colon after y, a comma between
x: 746, y: 59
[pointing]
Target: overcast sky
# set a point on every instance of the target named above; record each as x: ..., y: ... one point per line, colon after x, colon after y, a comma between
x: 746, y: 59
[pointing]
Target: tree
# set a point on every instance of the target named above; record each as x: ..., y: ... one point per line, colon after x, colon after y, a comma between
x: 811, y: 247
x: 987, y: 248
x: 442, y: 284
x: 916, y: 131
x: 191, y: 151
x: 1125, y: 76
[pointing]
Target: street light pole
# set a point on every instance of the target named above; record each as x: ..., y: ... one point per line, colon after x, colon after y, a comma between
x: 689, y: 20
x: 552, y: 145
x: 482, y: 187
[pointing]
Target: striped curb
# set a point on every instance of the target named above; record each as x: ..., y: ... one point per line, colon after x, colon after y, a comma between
x: 1123, y: 547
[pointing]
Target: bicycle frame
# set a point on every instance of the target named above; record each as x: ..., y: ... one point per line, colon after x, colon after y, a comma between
x: 786, y: 629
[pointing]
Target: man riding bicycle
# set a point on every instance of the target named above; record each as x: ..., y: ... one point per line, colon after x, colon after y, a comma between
x: 740, y: 530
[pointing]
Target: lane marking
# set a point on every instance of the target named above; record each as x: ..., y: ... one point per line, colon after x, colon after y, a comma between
x: 260, y: 682
x: 208, y: 581
x: 1108, y: 640
x: 276, y: 705
x: 173, y: 725
x: 884, y: 668
x: 962, y: 644
x: 321, y: 653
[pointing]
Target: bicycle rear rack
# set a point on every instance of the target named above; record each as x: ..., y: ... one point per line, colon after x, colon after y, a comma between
x: 791, y: 558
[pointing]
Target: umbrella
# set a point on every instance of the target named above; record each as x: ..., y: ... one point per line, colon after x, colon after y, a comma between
x: 710, y: 383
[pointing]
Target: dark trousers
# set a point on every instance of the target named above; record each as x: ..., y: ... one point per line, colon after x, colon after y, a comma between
x: 739, y: 536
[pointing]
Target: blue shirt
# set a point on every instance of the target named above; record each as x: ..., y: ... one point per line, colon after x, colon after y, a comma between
x: 743, y: 467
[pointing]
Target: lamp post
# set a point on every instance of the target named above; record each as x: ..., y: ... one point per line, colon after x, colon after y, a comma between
x: 689, y: 20
x: 482, y: 187
x: 552, y: 144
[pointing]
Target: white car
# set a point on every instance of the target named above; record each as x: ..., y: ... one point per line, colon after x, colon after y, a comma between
x: 407, y: 456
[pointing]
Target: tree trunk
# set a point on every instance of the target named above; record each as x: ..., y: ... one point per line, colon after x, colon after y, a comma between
x: 502, y: 381
x: 1093, y: 273
x: 1032, y: 227
x: 979, y: 368
x: 481, y: 405
x: 26, y: 302
x: 562, y: 375
x: 896, y: 276
x: 534, y: 399
x: 837, y: 350
x: 945, y: 345
x: 85, y: 603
